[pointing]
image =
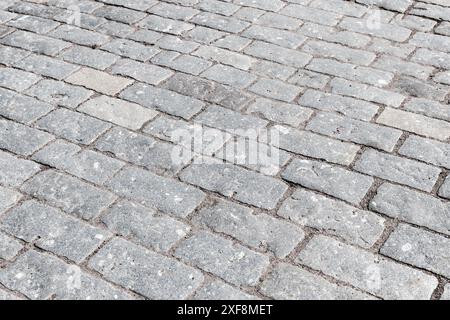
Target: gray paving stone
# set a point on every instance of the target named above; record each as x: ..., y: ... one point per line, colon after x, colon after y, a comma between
x: 427, y: 150
x: 431, y: 41
x: 145, y: 226
x: 11, y: 55
x: 218, y: 290
x: 146, y: 36
x: 21, y: 139
x: 287, y: 282
x: 275, y: 20
x: 7, y: 296
x: 16, y: 79
x: 226, y: 57
x: 275, y: 89
x: 96, y: 59
x: 15, y: 171
x: 9, y: 248
x: 130, y: 49
x: 311, y: 14
x: 205, y: 35
x: 73, y: 126
x: 367, y: 271
x: 333, y: 217
x: 417, y: 88
x: 229, y: 261
x: 415, y: 123
x: 255, y: 230
x: 150, y: 274
x: 314, y: 145
x: 47, y: 67
x: 360, y: 132
x: 34, y: 24
x: 162, y: 100
x: 270, y: 5
x: 282, y: 38
x: 412, y: 206
x: 41, y: 276
x: 120, y: 14
x: 140, y: 5
x: 59, y: 93
x: 219, y: 22
x: 142, y: 150
x: 164, y: 194
x: 86, y: 164
x: 182, y: 62
x: 226, y: 9
x: 399, y: 66
x: 446, y: 294
x: 142, y: 72
x: 35, y: 43
x: 116, y: 29
x: 349, y: 107
x: 62, y: 235
x: 79, y: 36
x: 430, y: 57
x: 273, y: 70
x: 401, y: 50
x: 419, y: 248
x: 232, y: 181
x: 397, y: 169
x: 335, y: 181
x: 160, y: 24
x: 173, y: 11
x: 444, y: 191
x: 278, y: 54
x: 280, y: 112
x: 69, y: 194
x: 99, y: 81
x: 8, y: 197
x: 229, y: 76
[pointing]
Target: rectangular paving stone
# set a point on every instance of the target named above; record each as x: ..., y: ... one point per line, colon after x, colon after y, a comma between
x: 120, y: 112
x: 430, y: 57
x: 278, y: 54
x: 207, y: 90
x: 205, y: 35
x: 332, y: 180
x: 174, y: 11
x: 367, y: 271
x: 311, y: 14
x: 229, y: 76
x: 15, y: 171
x: 62, y: 235
x: 8, y: 198
x: 275, y: 20
x: 398, y: 169
x: 73, y: 126
x: 59, y: 93
x: 86, y: 164
x: 22, y: 108
x: 232, y: 181
x: 282, y: 38
x: 11, y: 55
x: 48, y: 67
x: 79, y: 36
x: 431, y: 41
x: 143, y: 72
x: 255, y: 230
x: 99, y: 81
x: 365, y: 92
x: 165, y: 25
x: 226, y: 57
x: 419, y: 248
x: 287, y: 282
x: 164, y: 194
x: 142, y: 150
x: 339, y: 52
x: 284, y: 113
x: 140, y: 5
x: 347, y: 106
x: 93, y: 58
x: 219, y: 290
x: 163, y: 100
x: 36, y: 43
x: 41, y: 276
x: 219, y: 22
x: 120, y: 14
x: 401, y: 50
x: 313, y: 145
x: 9, y: 248
x: 34, y: 24
x: 427, y: 150
x: 420, y: 89
x: 130, y: 49
x: 145, y: 226
x: 232, y: 262
x: 444, y: 191
x: 21, y: 139
x: 397, y: 65
x: 274, y: 70
x: 182, y: 62
x: 360, y: 132
x: 415, y: 123
x: 269, y: 5
x: 146, y: 36
x: 339, y: 6
x: 412, y: 206
x: 275, y: 89
x: 69, y: 194
x: 175, y: 43
x: 333, y: 217
x: 229, y: 120
x: 384, y: 30
x: 148, y: 273
x: 352, y: 72
x: 16, y: 79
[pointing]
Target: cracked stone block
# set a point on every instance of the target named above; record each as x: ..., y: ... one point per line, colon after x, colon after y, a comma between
x: 259, y: 231
x: 221, y: 257
x: 145, y: 226
x: 148, y: 273
x: 61, y: 234
x: 40, y: 276
x: 147, y: 73
x: 367, y: 271
x: 69, y: 194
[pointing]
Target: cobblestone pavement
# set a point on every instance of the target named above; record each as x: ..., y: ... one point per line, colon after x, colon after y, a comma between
x: 351, y: 96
